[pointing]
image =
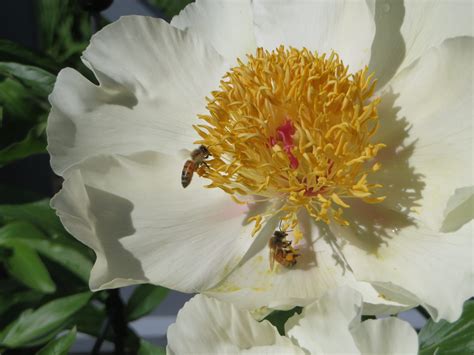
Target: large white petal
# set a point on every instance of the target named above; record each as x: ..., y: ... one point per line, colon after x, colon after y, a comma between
x: 144, y: 227
x: 344, y: 26
x: 426, y: 122
x: 226, y: 25
x: 321, y: 267
x: 153, y: 82
x: 389, y: 336
x: 324, y: 327
x: 207, y: 326
x: 405, y: 257
x: 406, y: 30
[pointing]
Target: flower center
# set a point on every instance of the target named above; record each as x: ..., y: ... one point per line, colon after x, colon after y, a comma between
x: 294, y: 126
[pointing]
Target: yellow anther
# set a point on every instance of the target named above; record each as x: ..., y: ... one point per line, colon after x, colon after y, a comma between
x: 295, y: 126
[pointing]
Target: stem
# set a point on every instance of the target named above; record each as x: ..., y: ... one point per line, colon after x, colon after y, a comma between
x: 95, y: 21
x: 100, y: 339
x: 423, y: 312
x: 116, y: 314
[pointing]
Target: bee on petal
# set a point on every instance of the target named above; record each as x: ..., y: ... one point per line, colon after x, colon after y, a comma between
x: 281, y: 250
x: 198, y: 157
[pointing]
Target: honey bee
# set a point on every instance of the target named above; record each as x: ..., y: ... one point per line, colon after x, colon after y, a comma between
x: 198, y: 157
x: 281, y: 250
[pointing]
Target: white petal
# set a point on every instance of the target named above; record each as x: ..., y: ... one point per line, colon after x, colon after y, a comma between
x: 153, y: 82
x: 406, y: 30
x: 389, y: 336
x: 344, y: 26
x: 426, y: 122
x: 226, y: 25
x: 406, y: 257
x: 144, y: 227
x: 332, y: 325
x: 320, y: 268
x: 324, y: 327
x: 207, y: 326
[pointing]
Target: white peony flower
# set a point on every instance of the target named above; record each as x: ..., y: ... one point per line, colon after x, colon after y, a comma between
x: 331, y: 325
x: 374, y: 188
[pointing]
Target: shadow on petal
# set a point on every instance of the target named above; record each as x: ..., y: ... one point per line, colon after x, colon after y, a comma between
x: 113, y: 222
x: 388, y: 47
x: 402, y: 185
x: 374, y: 224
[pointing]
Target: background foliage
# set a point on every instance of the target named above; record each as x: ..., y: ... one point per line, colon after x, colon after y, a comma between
x: 44, y: 296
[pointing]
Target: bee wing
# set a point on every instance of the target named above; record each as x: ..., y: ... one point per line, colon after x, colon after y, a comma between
x: 184, y: 154
x: 272, y: 259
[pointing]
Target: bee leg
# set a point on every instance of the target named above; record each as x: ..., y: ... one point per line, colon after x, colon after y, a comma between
x: 207, y: 166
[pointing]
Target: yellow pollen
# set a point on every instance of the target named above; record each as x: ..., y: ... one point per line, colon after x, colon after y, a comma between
x: 293, y: 126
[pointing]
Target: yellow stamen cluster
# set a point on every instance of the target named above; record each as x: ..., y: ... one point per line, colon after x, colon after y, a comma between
x: 294, y: 126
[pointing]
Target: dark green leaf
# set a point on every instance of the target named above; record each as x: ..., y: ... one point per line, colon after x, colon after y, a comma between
x: 147, y: 348
x: 90, y: 319
x: 449, y: 338
x: 5, y: 253
x: 61, y: 345
x: 170, y: 8
x: 12, y: 194
x: 26, y: 266
x: 54, y: 249
x: 13, y: 52
x: 9, y: 299
x: 37, y: 80
x: 33, y: 143
x: 279, y: 318
x: 41, y: 325
x: 64, y: 28
x: 144, y: 300
x: 18, y: 103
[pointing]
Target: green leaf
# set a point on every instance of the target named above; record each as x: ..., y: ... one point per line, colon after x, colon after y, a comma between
x: 144, y: 300
x: 8, y: 300
x: 61, y: 345
x: 279, y: 318
x: 170, y: 8
x: 37, y: 80
x: 64, y: 28
x: 54, y: 249
x: 449, y: 338
x: 33, y: 143
x: 90, y: 319
x: 26, y: 266
x: 41, y: 325
x: 18, y: 103
x: 38, y: 213
x: 13, y: 52
x: 147, y: 348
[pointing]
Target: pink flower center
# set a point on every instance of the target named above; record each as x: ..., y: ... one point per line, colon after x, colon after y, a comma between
x: 284, y: 134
